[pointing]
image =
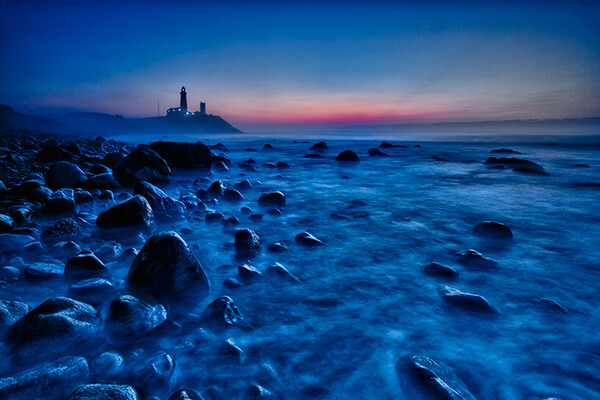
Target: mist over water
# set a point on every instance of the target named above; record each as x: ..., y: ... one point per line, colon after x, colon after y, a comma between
x: 363, y: 300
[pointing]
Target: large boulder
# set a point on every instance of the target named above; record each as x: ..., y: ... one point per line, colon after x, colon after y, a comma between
x: 184, y: 155
x: 432, y: 379
x: 103, y: 391
x: 142, y: 164
x: 64, y: 174
x: 49, y: 381
x: 58, y: 326
x: 131, y: 318
x: 162, y: 204
x: 135, y: 212
x: 167, y: 268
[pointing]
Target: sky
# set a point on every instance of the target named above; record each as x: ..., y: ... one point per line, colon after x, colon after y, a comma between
x: 261, y: 64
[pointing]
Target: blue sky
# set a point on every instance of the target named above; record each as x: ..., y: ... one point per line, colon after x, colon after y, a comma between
x: 305, y: 62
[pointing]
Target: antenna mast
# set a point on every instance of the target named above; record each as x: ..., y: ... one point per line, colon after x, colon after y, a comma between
x: 158, y: 107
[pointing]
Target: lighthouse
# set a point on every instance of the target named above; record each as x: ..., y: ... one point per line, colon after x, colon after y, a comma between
x: 183, y: 100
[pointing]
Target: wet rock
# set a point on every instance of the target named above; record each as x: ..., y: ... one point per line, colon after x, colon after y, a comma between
x: 58, y: 326
x: 377, y: 153
x: 231, y: 283
x: 98, y: 169
x: 103, y: 181
x: 219, y: 166
x: 11, y: 243
x: 274, y: 212
x: 83, y: 196
x: 267, y: 146
x: 467, y: 301
x: 347, y: 155
x: 278, y: 247
x: 246, y: 210
x: 213, y: 217
x: 155, y: 374
x: 51, y: 152
x: 217, y: 189
x: 257, y: 392
x: 319, y: 146
x: 130, y: 318
x: 440, y: 271
x: 135, y: 212
x: 142, y: 164
x: 230, y: 221
x: 282, y: 165
x: 516, y: 164
x: 85, y: 265
x: 43, y: 270
x: 248, y: 273
x: 64, y: 174
x: 243, y: 185
x: 49, y: 381
x: 223, y: 313
x: 184, y: 155
x: 229, y: 348
x: 256, y: 217
x: 160, y: 202
x: 552, y: 305
x: 62, y: 229
x: 10, y: 312
x: 166, y: 267
x: 203, y: 194
x: 232, y: 195
x: 103, y: 391
x: 272, y: 199
x: 387, y: 145
x: 186, y: 394
x: 504, y: 151
x: 474, y: 259
x: 493, y: 230
x: 93, y: 291
x: 306, y: 239
x: 433, y: 379
x: 108, y: 366
x: 247, y: 240
x: 9, y: 274
x: 277, y: 270
x: 111, y: 160
x: 60, y: 202
x: 269, y: 165
x: 6, y: 223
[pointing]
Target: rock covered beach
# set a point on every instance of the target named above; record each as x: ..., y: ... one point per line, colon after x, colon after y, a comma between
x: 184, y: 271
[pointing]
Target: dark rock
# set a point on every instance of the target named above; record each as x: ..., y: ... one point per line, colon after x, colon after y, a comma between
x: 60, y: 202
x: 43, y: 270
x: 111, y: 160
x: 9, y: 274
x: 231, y: 283
x: 10, y: 312
x: 157, y: 373
x: 247, y: 240
x: 64, y: 174
x: 282, y: 165
x: 107, y: 195
x: 108, y: 366
x: 433, y: 379
x: 184, y: 155
x: 387, y: 145
x: 269, y: 165
x: 98, y: 169
x: 82, y: 196
x: 213, y: 217
x: 474, y: 259
x: 248, y: 273
x: 268, y: 147
x: 217, y: 189
x: 243, y: 185
x: 274, y: 212
x: 130, y: 318
x: 11, y: 243
x: 93, y: 291
x: 504, y: 151
x: 109, y: 251
x: 51, y: 152
x: 493, y: 230
x: 467, y: 301
x: 246, y: 210
x: 142, y: 164
x: 219, y: 146
x: 135, y: 212
x: 101, y: 181
x: 223, y: 313
x: 219, y: 166
x: 49, y: 381
x: 230, y: 221
x: 319, y: 146
x: 272, y: 199
x: 85, y: 265
x: 160, y: 202
x: 56, y: 327
x: 517, y: 164
x: 166, y: 267
x: 278, y: 248
x: 103, y: 391
x: 377, y: 153
x: 256, y: 217
x: 202, y: 194
x: 230, y: 349
x: 440, y: 271
x: 257, y: 392
x: 277, y: 270
x: 347, y: 155
x: 62, y: 229
x: 186, y: 394
x: 306, y: 239
x: 6, y: 223
x: 232, y: 195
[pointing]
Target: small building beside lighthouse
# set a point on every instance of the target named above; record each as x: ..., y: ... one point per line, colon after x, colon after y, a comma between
x: 182, y: 110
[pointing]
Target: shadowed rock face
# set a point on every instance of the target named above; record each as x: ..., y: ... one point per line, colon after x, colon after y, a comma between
x: 184, y: 155
x: 433, y: 379
x: 58, y: 326
x: 48, y: 381
x: 142, y: 164
x: 247, y: 240
x: 135, y: 212
x: 102, y: 391
x: 167, y: 268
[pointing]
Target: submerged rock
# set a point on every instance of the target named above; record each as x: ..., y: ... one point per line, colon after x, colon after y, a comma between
x: 84, y: 265
x: 467, y: 301
x: 186, y: 394
x: 216, y: 189
x: 135, y: 212
x: 166, y: 268
x: 142, y: 164
x: 64, y: 174
x: 108, y: 366
x: 277, y: 270
x: 130, y: 318
x: 257, y: 392
x: 49, y: 381
x: 438, y: 270
x: 104, y: 391
x: 93, y: 291
x: 319, y: 146
x: 10, y: 312
x: 157, y: 373
x: 493, y: 230
x: 504, y: 151
x: 6, y: 223
x: 248, y: 273
x: 272, y: 199
x: 278, y: 247
x: 307, y: 239
x: 347, y: 155
x: 433, y: 379
x: 232, y: 195
x: 474, y: 259
x: 374, y: 152
x: 56, y: 327
x: 43, y: 270
x: 247, y: 240
x: 223, y: 313
x: 517, y: 164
